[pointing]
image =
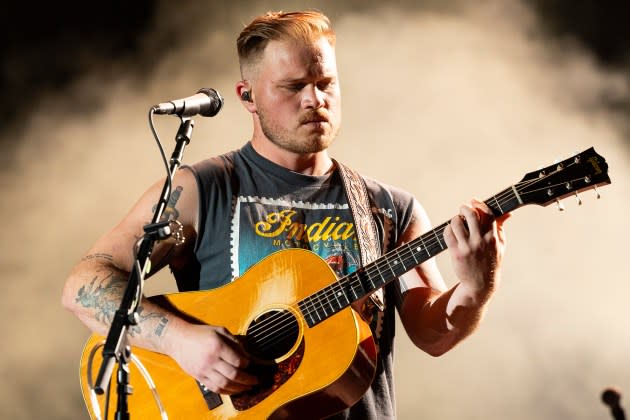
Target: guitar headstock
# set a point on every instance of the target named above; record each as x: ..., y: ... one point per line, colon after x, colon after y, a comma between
x: 584, y: 171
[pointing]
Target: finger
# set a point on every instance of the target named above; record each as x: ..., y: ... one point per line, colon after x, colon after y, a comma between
x: 478, y: 204
x: 472, y: 221
x: 484, y: 213
x: 234, y: 374
x: 232, y: 352
x: 216, y: 382
x: 449, y: 236
x: 227, y: 334
x: 459, y: 229
x: 499, y: 224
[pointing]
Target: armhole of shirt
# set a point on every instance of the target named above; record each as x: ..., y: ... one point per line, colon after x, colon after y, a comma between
x: 201, y: 222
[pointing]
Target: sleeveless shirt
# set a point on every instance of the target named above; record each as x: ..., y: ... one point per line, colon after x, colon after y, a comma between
x: 251, y: 207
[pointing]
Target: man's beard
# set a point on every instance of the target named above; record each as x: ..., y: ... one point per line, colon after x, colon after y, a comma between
x: 312, y: 143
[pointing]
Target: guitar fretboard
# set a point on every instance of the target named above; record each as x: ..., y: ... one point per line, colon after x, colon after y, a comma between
x: 340, y: 294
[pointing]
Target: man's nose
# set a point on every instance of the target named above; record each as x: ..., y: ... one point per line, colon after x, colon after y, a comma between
x: 313, y: 97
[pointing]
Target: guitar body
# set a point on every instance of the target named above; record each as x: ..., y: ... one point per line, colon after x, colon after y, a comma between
x: 309, y: 372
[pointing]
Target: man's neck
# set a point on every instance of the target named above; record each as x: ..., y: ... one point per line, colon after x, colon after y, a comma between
x: 316, y: 164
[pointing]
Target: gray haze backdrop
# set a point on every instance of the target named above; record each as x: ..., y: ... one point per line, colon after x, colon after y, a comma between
x: 446, y: 100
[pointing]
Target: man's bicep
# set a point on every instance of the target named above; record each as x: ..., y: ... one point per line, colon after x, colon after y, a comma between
x: 119, y: 244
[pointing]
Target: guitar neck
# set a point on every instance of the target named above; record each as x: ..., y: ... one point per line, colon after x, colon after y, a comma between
x: 581, y: 172
x: 337, y: 296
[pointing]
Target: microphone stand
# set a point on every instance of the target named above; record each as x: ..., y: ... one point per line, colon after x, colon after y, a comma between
x: 116, y: 348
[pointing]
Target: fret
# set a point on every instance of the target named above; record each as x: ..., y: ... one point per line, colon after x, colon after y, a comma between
x: 361, y: 274
x: 370, y: 280
x: 424, y: 246
x: 352, y: 288
x: 382, y: 277
x: 326, y: 293
x: 498, y: 204
x: 321, y: 304
x: 510, y: 200
x: 517, y: 196
x: 371, y: 273
x: 389, y: 266
x: 308, y: 314
x: 333, y: 297
x: 341, y: 293
x: 413, y: 251
x: 319, y: 317
x: 401, y: 267
x: 434, y: 231
x: 336, y: 292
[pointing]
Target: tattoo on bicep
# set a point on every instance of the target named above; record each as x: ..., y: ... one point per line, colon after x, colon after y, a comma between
x: 170, y: 212
x: 103, y: 294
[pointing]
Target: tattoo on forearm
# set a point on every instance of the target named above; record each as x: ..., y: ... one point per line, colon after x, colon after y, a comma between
x: 102, y: 294
x: 98, y: 256
x: 143, y: 317
x: 159, y: 330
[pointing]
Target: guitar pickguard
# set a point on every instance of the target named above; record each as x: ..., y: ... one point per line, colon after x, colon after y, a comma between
x: 271, y: 377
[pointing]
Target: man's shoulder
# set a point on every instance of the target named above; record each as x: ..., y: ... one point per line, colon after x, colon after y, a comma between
x: 378, y: 188
x: 224, y: 161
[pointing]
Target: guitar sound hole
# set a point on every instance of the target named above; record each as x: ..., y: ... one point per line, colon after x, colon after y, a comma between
x: 272, y: 335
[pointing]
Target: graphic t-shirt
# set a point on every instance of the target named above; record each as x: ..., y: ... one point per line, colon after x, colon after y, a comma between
x: 250, y: 207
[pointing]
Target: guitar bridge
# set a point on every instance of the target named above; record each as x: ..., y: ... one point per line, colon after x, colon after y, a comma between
x: 212, y: 399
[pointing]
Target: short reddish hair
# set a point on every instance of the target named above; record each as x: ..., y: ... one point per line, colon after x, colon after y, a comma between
x: 302, y: 26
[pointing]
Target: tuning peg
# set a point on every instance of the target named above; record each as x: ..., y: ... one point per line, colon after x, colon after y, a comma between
x: 559, y: 205
x: 597, y: 192
x: 579, y: 200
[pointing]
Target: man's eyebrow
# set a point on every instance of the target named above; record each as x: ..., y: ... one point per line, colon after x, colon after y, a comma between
x: 306, y: 78
x: 292, y: 79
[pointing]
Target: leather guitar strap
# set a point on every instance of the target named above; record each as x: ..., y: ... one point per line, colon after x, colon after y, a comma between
x: 365, y: 226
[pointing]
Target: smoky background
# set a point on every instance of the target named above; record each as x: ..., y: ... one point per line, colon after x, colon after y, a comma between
x: 448, y: 100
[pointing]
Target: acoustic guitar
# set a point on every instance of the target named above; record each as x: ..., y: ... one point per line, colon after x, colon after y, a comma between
x: 315, y: 355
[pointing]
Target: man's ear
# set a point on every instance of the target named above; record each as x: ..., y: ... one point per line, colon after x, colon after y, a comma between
x: 244, y: 93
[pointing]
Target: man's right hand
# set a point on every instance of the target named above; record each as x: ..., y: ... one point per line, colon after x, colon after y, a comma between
x: 211, y: 355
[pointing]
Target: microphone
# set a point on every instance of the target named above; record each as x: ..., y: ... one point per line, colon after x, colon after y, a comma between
x: 206, y: 102
x: 611, y: 397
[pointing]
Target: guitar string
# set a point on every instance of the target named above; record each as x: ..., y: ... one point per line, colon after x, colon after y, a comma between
x: 405, y: 256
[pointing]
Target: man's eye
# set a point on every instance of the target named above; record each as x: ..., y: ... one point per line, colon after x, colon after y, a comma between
x: 323, y: 86
x: 297, y: 87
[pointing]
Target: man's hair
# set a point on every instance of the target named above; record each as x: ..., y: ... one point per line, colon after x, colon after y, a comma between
x: 303, y: 26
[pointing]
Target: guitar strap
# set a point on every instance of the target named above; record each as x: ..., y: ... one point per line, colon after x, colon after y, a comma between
x: 365, y: 227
